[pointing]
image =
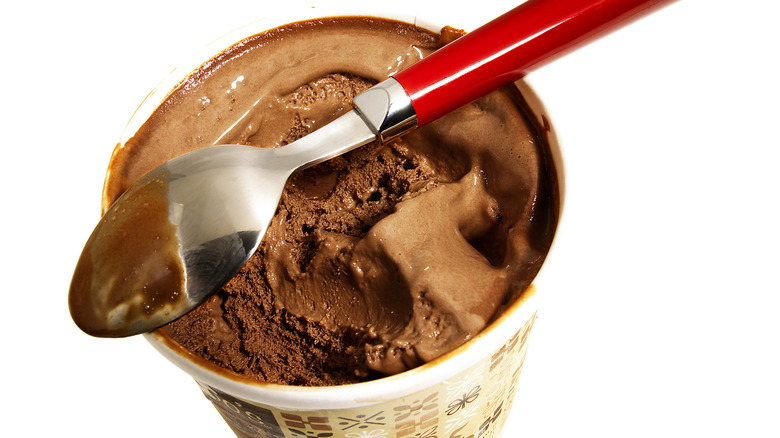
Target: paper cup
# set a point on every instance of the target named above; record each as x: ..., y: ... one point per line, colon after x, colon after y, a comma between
x: 466, y: 393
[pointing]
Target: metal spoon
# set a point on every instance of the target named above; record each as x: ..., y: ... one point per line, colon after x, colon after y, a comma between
x: 185, y: 228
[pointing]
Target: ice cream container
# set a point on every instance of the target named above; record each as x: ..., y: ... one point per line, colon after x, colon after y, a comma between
x: 465, y: 393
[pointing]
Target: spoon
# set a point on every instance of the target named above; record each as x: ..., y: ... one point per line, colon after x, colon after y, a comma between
x: 186, y: 228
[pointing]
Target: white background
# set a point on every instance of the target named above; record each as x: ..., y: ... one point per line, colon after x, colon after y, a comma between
x: 660, y: 300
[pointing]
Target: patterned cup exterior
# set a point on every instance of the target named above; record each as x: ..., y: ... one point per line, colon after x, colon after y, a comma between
x: 472, y: 404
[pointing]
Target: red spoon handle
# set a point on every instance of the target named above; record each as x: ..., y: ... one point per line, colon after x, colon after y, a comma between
x: 507, y: 48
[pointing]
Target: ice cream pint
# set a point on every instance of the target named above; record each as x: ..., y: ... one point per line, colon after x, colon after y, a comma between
x: 431, y: 337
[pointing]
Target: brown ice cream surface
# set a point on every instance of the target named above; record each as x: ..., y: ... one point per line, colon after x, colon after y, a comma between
x: 376, y: 261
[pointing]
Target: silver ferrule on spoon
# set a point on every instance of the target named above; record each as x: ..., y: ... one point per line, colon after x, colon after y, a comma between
x: 387, y: 109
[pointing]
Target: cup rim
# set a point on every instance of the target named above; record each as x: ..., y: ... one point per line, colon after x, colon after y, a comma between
x: 482, y: 345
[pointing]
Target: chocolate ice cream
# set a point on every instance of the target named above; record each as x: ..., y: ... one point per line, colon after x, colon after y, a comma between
x: 376, y: 261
